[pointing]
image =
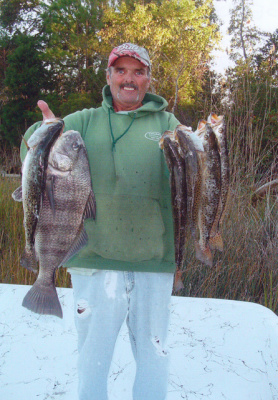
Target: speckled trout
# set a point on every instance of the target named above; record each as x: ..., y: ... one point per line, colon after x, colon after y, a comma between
x: 191, y: 147
x: 68, y: 200
x: 176, y: 166
x: 210, y: 193
x: 33, y: 184
x: 219, y: 128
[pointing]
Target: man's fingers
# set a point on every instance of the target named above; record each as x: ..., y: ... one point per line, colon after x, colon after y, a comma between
x: 46, y: 112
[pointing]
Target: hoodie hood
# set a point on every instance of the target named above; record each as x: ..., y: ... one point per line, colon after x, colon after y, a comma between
x: 151, y: 103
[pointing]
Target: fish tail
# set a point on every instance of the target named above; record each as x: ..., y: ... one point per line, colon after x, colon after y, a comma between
x: 178, y: 285
x: 43, y: 300
x: 203, y: 254
x: 216, y: 242
x: 29, y: 261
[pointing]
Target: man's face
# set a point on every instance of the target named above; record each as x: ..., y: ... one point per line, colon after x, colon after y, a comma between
x: 129, y: 82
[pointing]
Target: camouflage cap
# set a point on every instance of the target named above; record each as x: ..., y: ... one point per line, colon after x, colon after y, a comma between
x: 129, y: 50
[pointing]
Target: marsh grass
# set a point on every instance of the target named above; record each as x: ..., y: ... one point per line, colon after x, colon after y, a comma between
x: 247, y: 268
x: 12, y: 239
x: 9, y: 159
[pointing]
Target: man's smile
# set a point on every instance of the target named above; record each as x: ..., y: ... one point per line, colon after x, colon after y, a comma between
x: 129, y: 86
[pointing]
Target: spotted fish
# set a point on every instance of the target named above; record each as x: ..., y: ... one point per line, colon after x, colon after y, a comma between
x: 210, y: 193
x: 68, y: 200
x: 188, y: 151
x: 176, y: 166
x: 33, y: 184
x: 219, y: 128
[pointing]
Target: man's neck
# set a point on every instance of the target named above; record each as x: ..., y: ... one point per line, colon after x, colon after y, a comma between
x: 118, y: 107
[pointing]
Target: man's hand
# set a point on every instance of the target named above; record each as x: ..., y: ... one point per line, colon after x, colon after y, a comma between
x: 46, y: 112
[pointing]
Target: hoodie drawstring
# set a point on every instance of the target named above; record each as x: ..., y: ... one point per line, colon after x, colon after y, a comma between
x: 114, y: 141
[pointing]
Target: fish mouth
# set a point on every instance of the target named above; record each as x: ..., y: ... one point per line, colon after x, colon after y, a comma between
x: 62, y: 127
x: 215, y: 119
x: 57, y: 120
x: 53, y: 121
x: 51, y: 169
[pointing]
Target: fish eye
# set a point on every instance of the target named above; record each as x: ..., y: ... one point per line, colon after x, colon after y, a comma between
x: 75, y: 146
x: 220, y: 130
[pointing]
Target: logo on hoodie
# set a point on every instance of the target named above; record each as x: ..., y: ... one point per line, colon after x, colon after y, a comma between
x: 153, y: 136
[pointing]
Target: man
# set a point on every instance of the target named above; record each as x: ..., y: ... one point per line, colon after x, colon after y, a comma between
x: 126, y: 270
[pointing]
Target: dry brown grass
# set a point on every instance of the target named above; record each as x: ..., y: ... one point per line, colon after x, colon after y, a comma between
x: 12, y: 239
x: 9, y: 159
x: 247, y: 268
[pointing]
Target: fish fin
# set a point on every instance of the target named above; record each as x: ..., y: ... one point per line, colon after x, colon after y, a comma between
x: 216, y: 242
x: 80, y: 241
x: 178, y: 285
x: 214, y: 118
x: 43, y: 300
x: 90, y: 208
x: 203, y: 255
x: 201, y: 124
x: 17, y: 194
x: 25, y: 142
x: 49, y: 189
x: 29, y: 261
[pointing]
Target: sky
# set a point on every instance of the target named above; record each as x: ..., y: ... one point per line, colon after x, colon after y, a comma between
x: 265, y: 17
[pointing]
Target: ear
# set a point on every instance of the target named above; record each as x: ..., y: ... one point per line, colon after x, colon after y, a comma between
x: 148, y: 83
x: 108, y: 80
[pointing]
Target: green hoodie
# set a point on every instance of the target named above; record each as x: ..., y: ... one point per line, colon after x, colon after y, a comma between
x: 133, y: 229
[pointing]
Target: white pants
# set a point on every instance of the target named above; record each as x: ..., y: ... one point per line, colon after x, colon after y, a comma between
x: 102, y: 302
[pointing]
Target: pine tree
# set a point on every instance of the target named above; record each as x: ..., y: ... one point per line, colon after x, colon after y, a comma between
x: 244, y: 35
